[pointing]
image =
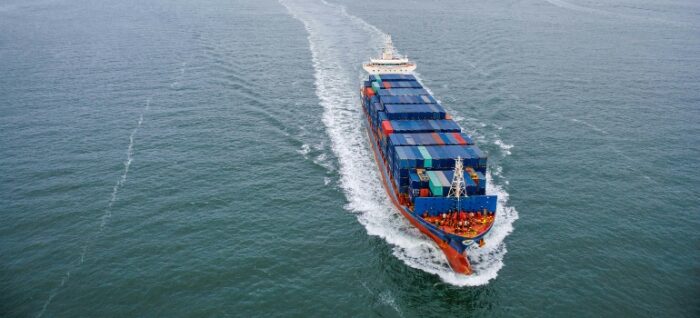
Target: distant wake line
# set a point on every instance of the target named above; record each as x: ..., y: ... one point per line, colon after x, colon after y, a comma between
x: 571, y: 6
x: 575, y: 7
x: 108, y: 210
x: 339, y: 42
x: 115, y: 191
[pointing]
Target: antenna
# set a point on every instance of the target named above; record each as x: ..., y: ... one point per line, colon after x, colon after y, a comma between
x: 457, y: 189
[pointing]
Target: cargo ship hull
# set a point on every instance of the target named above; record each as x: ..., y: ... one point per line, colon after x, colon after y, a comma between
x: 455, y: 257
x: 434, y: 214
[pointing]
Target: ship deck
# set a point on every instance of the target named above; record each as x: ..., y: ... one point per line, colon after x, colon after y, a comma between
x: 467, y: 225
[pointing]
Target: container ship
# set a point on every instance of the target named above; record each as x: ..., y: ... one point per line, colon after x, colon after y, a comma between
x: 431, y: 170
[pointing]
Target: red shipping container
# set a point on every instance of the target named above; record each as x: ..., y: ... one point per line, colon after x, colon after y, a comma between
x: 369, y: 92
x: 437, y: 139
x: 386, y: 127
x: 425, y: 192
x: 459, y: 138
x: 387, y: 85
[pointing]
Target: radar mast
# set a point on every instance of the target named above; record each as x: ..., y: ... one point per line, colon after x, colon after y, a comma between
x: 458, y: 189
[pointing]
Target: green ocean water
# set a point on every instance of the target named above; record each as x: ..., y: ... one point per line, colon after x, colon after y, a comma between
x: 182, y: 158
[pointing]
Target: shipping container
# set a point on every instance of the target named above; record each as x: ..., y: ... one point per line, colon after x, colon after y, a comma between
x: 392, y: 77
x: 414, y: 111
x: 416, y: 182
x: 381, y: 116
x: 440, y: 182
x: 375, y: 87
x: 480, y: 182
x: 427, y: 159
x: 463, y: 139
x: 400, y: 84
x: 408, y: 99
x: 427, y: 139
x: 374, y: 108
x: 387, y: 127
x: 439, y: 185
x: 424, y: 126
x: 469, y: 185
x: 402, y: 91
x: 477, y: 153
x: 434, y: 157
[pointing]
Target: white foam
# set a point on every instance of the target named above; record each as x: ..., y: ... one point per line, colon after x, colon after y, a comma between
x: 339, y: 42
x: 323, y: 161
x: 304, y: 150
x: 387, y: 298
x: 504, y: 146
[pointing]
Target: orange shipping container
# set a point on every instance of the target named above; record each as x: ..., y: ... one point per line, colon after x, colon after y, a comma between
x: 438, y: 140
x: 459, y: 139
x: 386, y: 127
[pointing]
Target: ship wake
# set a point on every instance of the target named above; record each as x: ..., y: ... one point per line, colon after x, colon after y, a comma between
x: 339, y: 42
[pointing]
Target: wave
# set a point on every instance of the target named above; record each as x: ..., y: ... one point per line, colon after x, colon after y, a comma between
x: 339, y: 42
x: 505, y: 148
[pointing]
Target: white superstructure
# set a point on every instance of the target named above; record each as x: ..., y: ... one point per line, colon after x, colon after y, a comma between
x: 388, y: 63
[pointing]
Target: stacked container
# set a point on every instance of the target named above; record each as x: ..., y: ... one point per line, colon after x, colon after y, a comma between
x: 415, y: 132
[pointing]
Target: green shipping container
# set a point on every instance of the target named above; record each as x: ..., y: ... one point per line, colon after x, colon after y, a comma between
x: 435, y: 184
x: 375, y: 87
x: 427, y: 159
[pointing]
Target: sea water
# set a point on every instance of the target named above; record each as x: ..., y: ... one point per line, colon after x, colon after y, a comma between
x: 179, y: 158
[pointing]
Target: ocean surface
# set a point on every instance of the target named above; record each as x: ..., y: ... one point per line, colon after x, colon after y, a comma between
x: 207, y: 158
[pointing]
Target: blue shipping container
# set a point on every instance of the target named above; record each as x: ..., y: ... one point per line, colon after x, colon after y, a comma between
x: 408, y: 99
x: 426, y: 139
x: 392, y: 77
x: 400, y: 84
x: 416, y: 182
x: 414, y: 111
x: 423, y: 126
x: 441, y: 157
x: 402, y: 91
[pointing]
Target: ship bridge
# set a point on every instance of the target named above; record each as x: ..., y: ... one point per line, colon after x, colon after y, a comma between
x: 388, y: 62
